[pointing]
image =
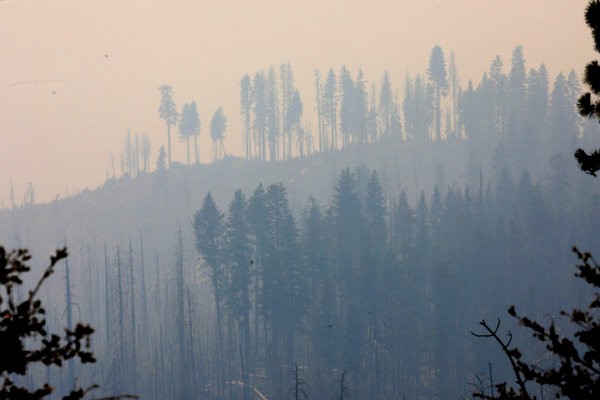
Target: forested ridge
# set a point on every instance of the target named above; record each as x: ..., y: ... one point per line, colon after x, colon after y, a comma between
x: 369, y: 259
x: 531, y: 113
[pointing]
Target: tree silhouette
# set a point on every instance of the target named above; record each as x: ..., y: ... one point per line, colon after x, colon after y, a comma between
x: 437, y: 76
x: 24, y: 339
x: 246, y: 104
x: 589, y: 103
x: 329, y: 102
x: 218, y: 124
x: 293, y: 118
x: 260, y: 114
x: 168, y: 113
x: 189, y: 126
x: 575, y: 371
x: 386, y: 103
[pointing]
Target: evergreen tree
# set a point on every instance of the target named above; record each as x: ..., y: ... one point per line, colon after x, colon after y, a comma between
x: 218, y: 125
x: 260, y: 114
x: 287, y: 93
x: 589, y: 104
x: 272, y: 103
x: 408, y: 109
x: 239, y: 262
x: 403, y: 226
x: 348, y: 225
x: 294, y: 117
x: 395, y: 123
x: 469, y: 118
x: 422, y: 109
x: 372, y: 120
x: 498, y: 96
x: 485, y: 113
x: 386, y: 105
x: 347, y: 105
x: 208, y: 231
x: 330, y: 105
x: 361, y: 107
x: 161, y: 163
x: 246, y: 105
x: 516, y: 93
x: 437, y: 76
x: 320, y: 115
x: 574, y: 91
x: 282, y: 281
x: 455, y: 90
x: 376, y: 214
x: 562, y: 129
x: 168, y: 113
x: 535, y: 120
x: 189, y: 126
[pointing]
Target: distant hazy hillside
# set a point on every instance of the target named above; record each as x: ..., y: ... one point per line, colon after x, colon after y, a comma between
x: 156, y: 203
x: 132, y: 245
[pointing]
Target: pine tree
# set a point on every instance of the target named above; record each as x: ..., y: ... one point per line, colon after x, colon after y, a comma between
x: 347, y: 105
x: 168, y: 113
x: 218, y: 125
x: 455, y: 91
x: 516, y: 93
x: 589, y: 104
x: 287, y: 93
x: 386, y: 105
x: 260, y: 114
x: 246, y: 105
x: 361, y: 106
x: 562, y: 135
x: 293, y: 123
x: 320, y: 116
x: 239, y: 263
x: 189, y: 126
x: 329, y: 106
x: 209, y: 230
x: 272, y: 103
x: 437, y: 76
x: 498, y: 98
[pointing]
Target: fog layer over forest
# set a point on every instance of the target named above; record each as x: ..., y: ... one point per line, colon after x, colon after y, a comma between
x: 366, y: 249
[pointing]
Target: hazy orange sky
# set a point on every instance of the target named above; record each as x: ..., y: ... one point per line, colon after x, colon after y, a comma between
x: 74, y: 75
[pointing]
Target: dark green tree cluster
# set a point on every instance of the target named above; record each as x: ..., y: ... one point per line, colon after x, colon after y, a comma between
x: 369, y: 284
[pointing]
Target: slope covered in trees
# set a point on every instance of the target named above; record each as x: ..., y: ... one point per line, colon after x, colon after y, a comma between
x: 366, y: 277
x: 370, y: 259
x: 513, y: 110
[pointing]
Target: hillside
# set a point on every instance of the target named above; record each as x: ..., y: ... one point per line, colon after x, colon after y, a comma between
x: 484, y: 234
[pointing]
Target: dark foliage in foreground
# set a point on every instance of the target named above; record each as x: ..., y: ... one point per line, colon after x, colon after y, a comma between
x: 589, y: 106
x: 575, y: 371
x: 24, y: 340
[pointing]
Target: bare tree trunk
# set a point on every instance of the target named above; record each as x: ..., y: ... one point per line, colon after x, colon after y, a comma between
x: 133, y: 376
x: 169, y: 143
